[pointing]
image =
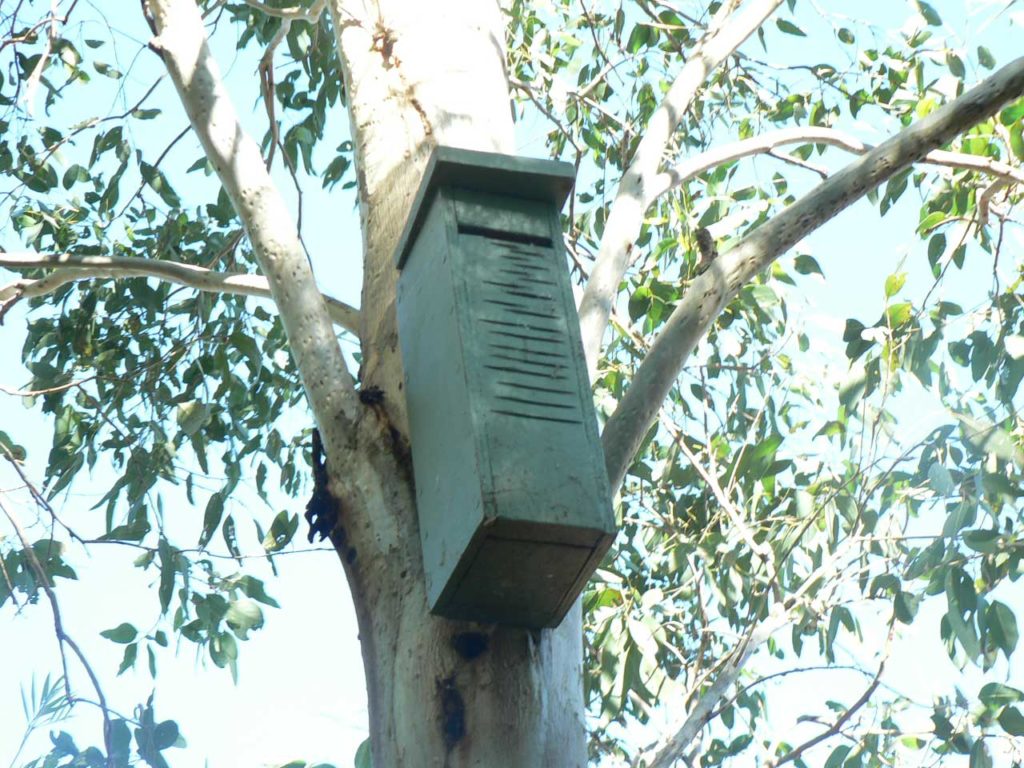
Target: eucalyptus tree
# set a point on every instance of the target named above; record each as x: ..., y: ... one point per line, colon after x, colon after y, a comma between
x: 770, y: 513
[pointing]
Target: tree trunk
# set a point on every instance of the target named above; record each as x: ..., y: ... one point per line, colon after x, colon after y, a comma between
x: 441, y: 693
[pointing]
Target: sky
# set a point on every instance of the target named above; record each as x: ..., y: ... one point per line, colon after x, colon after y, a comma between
x: 300, y: 692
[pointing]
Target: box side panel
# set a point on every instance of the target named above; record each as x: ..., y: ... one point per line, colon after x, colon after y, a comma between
x: 525, y: 359
x: 445, y: 460
x: 602, y: 517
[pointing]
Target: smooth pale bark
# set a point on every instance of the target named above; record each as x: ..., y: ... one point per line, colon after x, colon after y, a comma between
x: 68, y: 268
x: 728, y: 29
x: 420, y: 74
x: 520, y: 702
x: 708, y: 293
x: 766, y: 142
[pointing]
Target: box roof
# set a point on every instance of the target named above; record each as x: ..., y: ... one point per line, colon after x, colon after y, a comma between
x: 521, y: 177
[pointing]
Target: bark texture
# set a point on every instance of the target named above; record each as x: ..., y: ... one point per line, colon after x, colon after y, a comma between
x: 441, y: 693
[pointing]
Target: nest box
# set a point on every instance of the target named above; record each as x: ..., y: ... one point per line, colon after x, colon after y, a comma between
x: 511, y: 490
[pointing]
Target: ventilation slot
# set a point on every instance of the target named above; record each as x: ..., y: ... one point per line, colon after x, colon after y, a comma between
x: 498, y: 234
x: 521, y: 323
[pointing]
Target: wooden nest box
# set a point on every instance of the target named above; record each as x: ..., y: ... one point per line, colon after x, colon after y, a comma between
x: 511, y: 489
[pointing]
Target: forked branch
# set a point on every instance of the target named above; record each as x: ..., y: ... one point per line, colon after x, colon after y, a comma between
x: 727, y: 31
x: 709, y: 293
x: 181, y: 40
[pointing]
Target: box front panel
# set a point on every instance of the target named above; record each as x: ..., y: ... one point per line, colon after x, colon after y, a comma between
x: 528, y: 377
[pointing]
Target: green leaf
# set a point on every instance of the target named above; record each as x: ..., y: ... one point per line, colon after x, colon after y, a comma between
x: 893, y: 283
x: 956, y: 65
x: 980, y: 757
x: 940, y: 480
x: 929, y: 222
x: 9, y: 447
x: 155, y: 178
x: 640, y: 302
x: 789, y: 28
x: 230, y: 534
x: 282, y: 530
x: 986, y: 542
x: 990, y: 438
x: 1012, y: 113
x: 996, y: 695
x: 363, y: 758
x: 764, y: 296
x: 644, y: 638
x: 838, y: 756
x: 1012, y: 721
x: 122, y: 633
x: 985, y: 57
x: 1017, y: 140
x: 107, y: 70
x: 128, y: 661
x: 74, y: 174
x: 905, y: 606
x: 167, y: 573
x: 165, y: 734
x: 807, y: 265
x: 1002, y: 627
x: 638, y: 38
x: 899, y: 314
x: 928, y: 13
x: 253, y: 587
x: 212, y: 517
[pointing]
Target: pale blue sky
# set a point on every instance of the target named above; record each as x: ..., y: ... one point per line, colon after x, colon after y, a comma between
x: 289, y: 702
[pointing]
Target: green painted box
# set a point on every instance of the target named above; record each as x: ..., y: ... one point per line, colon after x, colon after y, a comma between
x: 511, y: 489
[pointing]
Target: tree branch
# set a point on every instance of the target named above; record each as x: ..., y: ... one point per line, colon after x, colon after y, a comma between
x: 181, y: 40
x: 36, y: 75
x: 295, y: 13
x: 766, y: 142
x: 726, y: 32
x: 668, y: 751
x: 68, y: 268
x: 708, y: 294
x: 833, y: 729
x: 63, y: 638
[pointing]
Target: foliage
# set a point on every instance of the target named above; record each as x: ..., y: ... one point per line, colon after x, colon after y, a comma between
x: 775, y: 479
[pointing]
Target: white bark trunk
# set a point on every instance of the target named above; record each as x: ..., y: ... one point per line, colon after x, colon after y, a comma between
x: 417, y: 74
x: 420, y: 74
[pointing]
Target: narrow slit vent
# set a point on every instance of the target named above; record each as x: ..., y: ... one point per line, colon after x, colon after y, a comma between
x: 529, y: 361
x: 498, y: 234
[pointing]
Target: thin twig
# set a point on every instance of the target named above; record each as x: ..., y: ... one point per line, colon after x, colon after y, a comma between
x: 765, y: 143
x: 294, y: 13
x: 62, y: 636
x: 37, y: 496
x: 735, y: 515
x: 833, y: 729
